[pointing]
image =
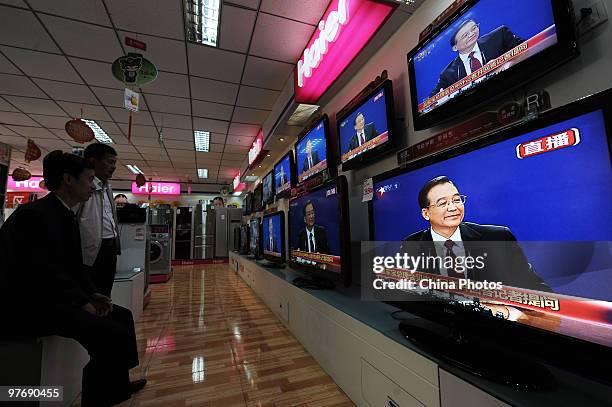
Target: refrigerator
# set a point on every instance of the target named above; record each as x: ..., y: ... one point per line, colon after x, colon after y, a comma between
x: 227, y: 220
x: 183, y: 236
x: 204, y: 232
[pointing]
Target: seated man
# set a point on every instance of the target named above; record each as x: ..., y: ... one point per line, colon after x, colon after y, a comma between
x: 45, y: 291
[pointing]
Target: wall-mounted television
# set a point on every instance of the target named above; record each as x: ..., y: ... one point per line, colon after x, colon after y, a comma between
x: 268, y: 188
x: 244, y: 239
x: 366, y: 127
x: 257, y: 202
x: 319, y: 234
x: 284, y: 175
x: 248, y: 203
x: 254, y: 238
x: 486, y: 49
x: 533, y: 200
x: 312, y: 150
x: 273, y: 237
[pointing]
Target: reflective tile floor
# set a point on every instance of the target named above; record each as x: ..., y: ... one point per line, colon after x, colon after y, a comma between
x: 205, y: 339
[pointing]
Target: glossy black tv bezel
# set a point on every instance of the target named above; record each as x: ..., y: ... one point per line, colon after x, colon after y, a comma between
x: 258, y: 252
x: 586, y: 357
x: 272, y: 193
x: 345, y: 235
x: 248, y: 203
x: 258, y: 204
x: 283, y: 243
x: 292, y: 174
x: 332, y: 165
x: 378, y: 152
x: 244, y: 249
x: 524, y: 72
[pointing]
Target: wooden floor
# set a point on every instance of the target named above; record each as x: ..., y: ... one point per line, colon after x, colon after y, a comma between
x: 205, y: 339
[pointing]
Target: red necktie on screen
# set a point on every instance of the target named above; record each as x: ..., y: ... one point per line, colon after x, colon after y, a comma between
x: 474, y: 62
x: 361, y: 139
x: 449, y: 253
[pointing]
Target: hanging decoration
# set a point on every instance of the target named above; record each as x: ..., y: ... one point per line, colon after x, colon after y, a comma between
x: 21, y: 174
x: 140, y: 180
x: 79, y: 131
x: 32, y: 152
x: 134, y: 70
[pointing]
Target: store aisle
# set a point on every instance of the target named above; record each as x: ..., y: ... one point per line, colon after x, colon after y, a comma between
x: 206, y: 340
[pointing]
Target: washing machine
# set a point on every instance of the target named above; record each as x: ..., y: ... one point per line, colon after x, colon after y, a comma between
x: 160, y: 253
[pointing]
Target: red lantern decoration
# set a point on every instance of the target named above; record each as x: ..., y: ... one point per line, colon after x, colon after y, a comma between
x: 140, y: 180
x: 79, y: 131
x: 32, y: 152
x: 21, y: 174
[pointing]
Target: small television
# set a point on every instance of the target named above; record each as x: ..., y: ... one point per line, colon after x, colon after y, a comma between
x: 248, y: 203
x: 366, y: 127
x: 254, y: 240
x: 284, y: 175
x: 319, y: 234
x: 312, y: 150
x: 268, y: 188
x: 532, y: 202
x: 273, y: 237
x: 244, y: 239
x: 257, y: 203
x: 487, y: 48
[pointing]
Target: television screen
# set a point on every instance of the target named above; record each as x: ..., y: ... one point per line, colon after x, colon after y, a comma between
x: 539, y: 222
x: 268, y: 188
x: 311, y: 151
x: 244, y: 239
x: 254, y: 242
x: 248, y: 203
x: 257, y: 203
x: 273, y: 237
x: 318, y: 233
x: 283, y: 171
x: 485, y: 39
x: 366, y: 129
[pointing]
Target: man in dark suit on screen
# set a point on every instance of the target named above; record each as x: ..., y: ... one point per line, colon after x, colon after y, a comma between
x: 363, y: 132
x: 474, y: 51
x: 283, y: 177
x: 449, y: 236
x: 312, y: 238
x: 272, y: 243
x: 312, y: 157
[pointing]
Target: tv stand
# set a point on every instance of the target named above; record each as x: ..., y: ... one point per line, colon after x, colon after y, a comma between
x: 312, y: 283
x: 272, y: 265
x: 474, y: 355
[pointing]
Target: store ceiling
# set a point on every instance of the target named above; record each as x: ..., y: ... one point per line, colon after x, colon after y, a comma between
x: 55, y: 59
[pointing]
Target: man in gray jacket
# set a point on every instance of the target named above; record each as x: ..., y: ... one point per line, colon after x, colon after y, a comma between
x: 98, y: 220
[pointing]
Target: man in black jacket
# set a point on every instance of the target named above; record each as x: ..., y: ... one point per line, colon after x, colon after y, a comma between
x: 363, y: 132
x: 44, y: 289
x: 312, y: 238
x: 449, y: 236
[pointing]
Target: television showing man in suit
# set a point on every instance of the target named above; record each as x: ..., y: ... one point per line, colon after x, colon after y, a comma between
x: 474, y: 51
x: 449, y: 235
x: 312, y: 157
x: 363, y: 132
x: 282, y: 177
x: 272, y: 240
x: 312, y: 238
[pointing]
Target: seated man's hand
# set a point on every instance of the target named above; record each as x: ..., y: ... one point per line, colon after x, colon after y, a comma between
x: 101, y: 297
x: 89, y: 308
x: 102, y: 304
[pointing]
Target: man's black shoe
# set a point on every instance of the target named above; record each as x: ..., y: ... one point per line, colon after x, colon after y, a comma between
x: 137, y: 385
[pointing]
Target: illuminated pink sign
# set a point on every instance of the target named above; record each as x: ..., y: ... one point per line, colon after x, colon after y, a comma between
x: 30, y: 185
x: 157, y: 188
x: 256, y: 148
x: 346, y: 27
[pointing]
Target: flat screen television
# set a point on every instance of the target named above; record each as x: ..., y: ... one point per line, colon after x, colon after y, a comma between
x: 486, y: 49
x: 284, y: 175
x: 319, y: 234
x: 268, y: 188
x: 312, y: 150
x: 244, y: 239
x: 254, y: 240
x: 248, y: 203
x: 258, y: 198
x: 366, y: 127
x: 530, y: 201
x: 273, y: 237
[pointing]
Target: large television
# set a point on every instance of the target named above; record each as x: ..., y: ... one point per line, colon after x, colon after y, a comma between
x: 254, y: 240
x: 284, y: 175
x: 319, y: 235
x: 273, y: 237
x: 312, y: 150
x: 366, y: 127
x: 532, y: 202
x: 244, y: 239
x: 248, y: 203
x: 268, y: 188
x: 487, y: 48
x: 257, y: 203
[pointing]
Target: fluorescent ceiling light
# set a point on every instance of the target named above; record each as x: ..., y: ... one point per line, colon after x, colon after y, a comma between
x: 202, y: 140
x: 301, y: 114
x: 202, y: 18
x: 100, y: 134
x: 237, y: 193
x: 202, y: 173
x: 251, y: 178
x: 134, y: 169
